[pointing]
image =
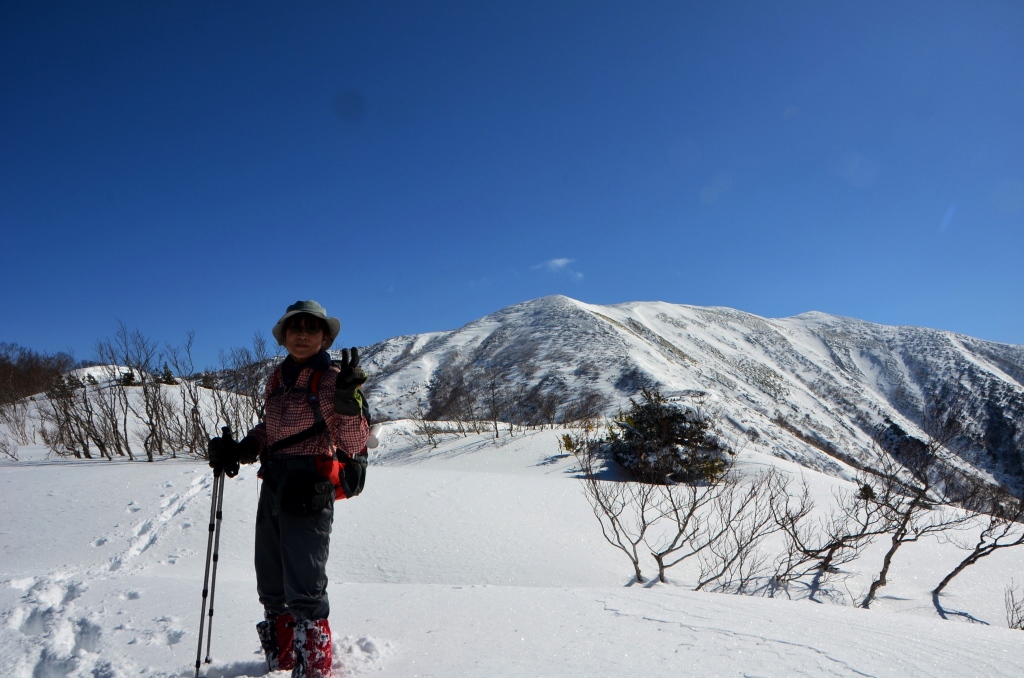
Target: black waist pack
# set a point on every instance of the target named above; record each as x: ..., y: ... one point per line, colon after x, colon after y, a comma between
x: 353, y: 475
x: 305, y: 494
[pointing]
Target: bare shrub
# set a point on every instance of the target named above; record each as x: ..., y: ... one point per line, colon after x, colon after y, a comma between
x: 14, y: 415
x: 817, y: 548
x: 718, y: 521
x: 740, y: 518
x: 65, y: 430
x: 248, y: 375
x: 499, y: 396
x: 586, y: 406
x: 8, y: 449
x: 141, y: 356
x: 193, y: 431
x: 433, y: 431
x: 113, y: 403
x: 1001, y: 517
x: 624, y: 509
x: 684, y: 507
x: 239, y: 386
x: 1014, y: 607
x: 912, y: 488
x: 25, y: 373
x: 495, y: 400
x: 450, y: 397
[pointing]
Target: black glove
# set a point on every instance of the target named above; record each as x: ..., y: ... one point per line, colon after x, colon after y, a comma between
x: 348, y: 394
x: 225, y: 454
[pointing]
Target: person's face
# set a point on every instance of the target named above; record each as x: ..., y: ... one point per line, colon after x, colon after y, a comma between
x: 304, y: 337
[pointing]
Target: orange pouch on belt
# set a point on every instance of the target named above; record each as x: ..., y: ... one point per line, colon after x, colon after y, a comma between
x: 331, y: 469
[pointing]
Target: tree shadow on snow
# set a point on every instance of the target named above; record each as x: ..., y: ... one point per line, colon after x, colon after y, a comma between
x: 417, y: 454
x: 946, y: 614
x: 552, y: 460
x: 610, y: 472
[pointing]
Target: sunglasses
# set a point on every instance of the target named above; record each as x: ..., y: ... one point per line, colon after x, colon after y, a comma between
x: 308, y: 330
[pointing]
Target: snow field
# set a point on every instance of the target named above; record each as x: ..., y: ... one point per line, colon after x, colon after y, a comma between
x: 476, y: 558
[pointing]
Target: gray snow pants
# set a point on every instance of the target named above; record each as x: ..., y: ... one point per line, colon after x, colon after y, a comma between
x: 291, y: 550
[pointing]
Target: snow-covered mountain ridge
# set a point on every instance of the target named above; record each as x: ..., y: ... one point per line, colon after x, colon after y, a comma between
x: 813, y: 388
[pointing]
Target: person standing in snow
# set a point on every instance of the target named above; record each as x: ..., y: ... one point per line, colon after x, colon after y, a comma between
x: 308, y: 443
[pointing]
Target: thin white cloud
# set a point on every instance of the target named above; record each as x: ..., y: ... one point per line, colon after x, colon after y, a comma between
x: 557, y: 264
x: 560, y: 265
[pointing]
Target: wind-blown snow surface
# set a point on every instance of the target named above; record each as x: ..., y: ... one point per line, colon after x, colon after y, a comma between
x: 477, y: 558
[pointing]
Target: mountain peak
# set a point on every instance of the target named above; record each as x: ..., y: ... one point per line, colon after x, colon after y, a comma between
x: 814, y: 388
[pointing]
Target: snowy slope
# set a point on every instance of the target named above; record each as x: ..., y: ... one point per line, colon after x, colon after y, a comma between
x: 480, y: 557
x: 813, y: 388
x: 476, y: 558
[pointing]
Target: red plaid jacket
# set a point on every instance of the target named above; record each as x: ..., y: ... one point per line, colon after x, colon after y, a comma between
x: 290, y: 413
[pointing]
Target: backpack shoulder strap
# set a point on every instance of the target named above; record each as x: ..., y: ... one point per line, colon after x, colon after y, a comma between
x: 311, y: 391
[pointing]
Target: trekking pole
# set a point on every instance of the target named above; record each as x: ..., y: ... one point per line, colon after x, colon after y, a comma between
x: 226, y: 431
x: 216, y: 501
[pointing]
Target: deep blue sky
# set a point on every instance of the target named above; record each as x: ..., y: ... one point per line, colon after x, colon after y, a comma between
x: 416, y: 165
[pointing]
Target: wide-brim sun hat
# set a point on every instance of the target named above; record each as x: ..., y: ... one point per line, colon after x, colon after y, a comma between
x: 312, y: 308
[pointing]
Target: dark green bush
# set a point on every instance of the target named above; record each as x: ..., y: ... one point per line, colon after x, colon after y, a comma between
x: 659, y: 441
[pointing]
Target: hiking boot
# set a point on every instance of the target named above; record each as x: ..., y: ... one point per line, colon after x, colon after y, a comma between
x: 276, y: 632
x: 312, y: 649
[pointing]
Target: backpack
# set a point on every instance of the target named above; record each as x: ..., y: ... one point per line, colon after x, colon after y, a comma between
x: 346, y: 473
